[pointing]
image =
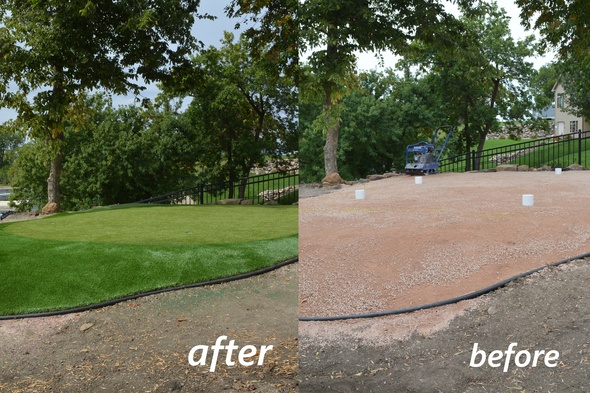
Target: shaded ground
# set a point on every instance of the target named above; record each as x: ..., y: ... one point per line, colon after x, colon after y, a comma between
x: 408, y: 244
x: 142, y: 345
x: 548, y: 311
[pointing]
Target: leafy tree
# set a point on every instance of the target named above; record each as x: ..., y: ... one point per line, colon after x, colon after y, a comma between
x: 244, y: 109
x: 563, y: 24
x: 53, y: 50
x: 9, y: 141
x: 575, y: 77
x: 542, y: 84
x: 379, y: 119
x: 274, y: 30
x: 484, y: 76
x: 332, y: 31
x: 118, y: 156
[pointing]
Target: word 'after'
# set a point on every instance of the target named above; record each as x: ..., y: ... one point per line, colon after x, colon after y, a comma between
x: 244, y: 354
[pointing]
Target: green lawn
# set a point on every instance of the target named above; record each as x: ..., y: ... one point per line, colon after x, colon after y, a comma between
x: 554, y: 155
x: 557, y: 155
x: 493, y: 143
x: 76, y: 259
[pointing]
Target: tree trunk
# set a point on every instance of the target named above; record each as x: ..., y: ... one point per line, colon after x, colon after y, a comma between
x: 242, y: 187
x: 468, y: 157
x: 53, y: 192
x: 331, y: 146
x: 467, y: 138
x: 332, y: 121
x: 481, y: 142
x: 483, y: 135
x: 56, y: 139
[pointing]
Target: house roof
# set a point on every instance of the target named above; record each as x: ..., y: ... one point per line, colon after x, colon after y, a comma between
x: 547, y: 112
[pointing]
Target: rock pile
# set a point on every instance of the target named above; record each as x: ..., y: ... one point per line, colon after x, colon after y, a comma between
x: 276, y: 166
x: 273, y: 195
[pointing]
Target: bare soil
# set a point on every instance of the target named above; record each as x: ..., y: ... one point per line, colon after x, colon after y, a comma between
x: 143, y: 345
x: 407, y: 244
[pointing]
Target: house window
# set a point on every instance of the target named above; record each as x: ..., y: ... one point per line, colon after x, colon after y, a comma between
x: 560, y: 101
x: 573, y: 126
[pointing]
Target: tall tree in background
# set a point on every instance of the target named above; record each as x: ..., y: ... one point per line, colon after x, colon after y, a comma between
x: 52, y: 50
x: 244, y: 107
x: 333, y: 31
x: 484, y: 75
x: 9, y: 141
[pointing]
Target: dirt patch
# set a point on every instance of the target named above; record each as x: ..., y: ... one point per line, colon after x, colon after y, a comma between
x: 407, y: 244
x: 142, y: 345
x: 24, y: 216
x: 406, y: 353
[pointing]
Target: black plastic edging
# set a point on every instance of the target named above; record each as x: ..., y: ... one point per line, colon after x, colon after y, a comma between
x: 442, y: 302
x: 136, y: 296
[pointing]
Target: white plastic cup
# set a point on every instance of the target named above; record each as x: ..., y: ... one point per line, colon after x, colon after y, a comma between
x: 359, y: 194
x: 558, y: 171
x: 528, y: 200
x: 418, y: 179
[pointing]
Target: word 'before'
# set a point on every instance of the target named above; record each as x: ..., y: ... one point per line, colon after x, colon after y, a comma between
x: 244, y: 355
x: 521, y: 359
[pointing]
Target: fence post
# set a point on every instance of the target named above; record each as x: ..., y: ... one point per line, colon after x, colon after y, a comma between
x: 201, y: 194
x: 473, y: 159
x: 579, y: 147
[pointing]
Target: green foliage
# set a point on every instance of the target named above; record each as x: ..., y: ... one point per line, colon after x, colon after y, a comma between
x: 575, y: 78
x: 241, y: 119
x: 53, y: 51
x: 542, y: 85
x: 289, y: 198
x: 378, y: 121
x: 119, y: 156
x: 483, y: 75
x: 334, y: 30
x: 562, y: 24
x: 9, y: 142
x: 28, y: 175
x: 274, y: 31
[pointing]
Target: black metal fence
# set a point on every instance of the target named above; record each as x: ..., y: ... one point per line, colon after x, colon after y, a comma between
x: 556, y: 152
x: 259, y: 189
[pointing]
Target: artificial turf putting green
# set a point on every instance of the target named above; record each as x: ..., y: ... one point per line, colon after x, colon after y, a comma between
x: 76, y: 259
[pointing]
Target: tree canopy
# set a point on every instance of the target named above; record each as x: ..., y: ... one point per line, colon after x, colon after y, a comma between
x: 331, y: 34
x: 484, y: 74
x: 53, y: 50
x: 244, y: 108
x: 562, y: 24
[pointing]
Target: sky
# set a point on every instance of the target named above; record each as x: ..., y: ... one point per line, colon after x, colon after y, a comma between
x: 210, y: 32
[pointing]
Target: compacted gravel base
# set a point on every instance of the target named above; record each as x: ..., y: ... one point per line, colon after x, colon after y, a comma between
x: 407, y: 244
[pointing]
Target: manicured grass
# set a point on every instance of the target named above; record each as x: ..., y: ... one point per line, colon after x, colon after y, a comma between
x: 493, y: 143
x: 556, y: 155
x: 76, y: 259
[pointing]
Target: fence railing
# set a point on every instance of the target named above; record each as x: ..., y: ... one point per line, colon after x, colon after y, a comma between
x: 556, y: 151
x: 259, y: 189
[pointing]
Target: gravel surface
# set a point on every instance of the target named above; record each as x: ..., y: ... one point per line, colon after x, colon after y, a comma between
x: 408, y: 244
